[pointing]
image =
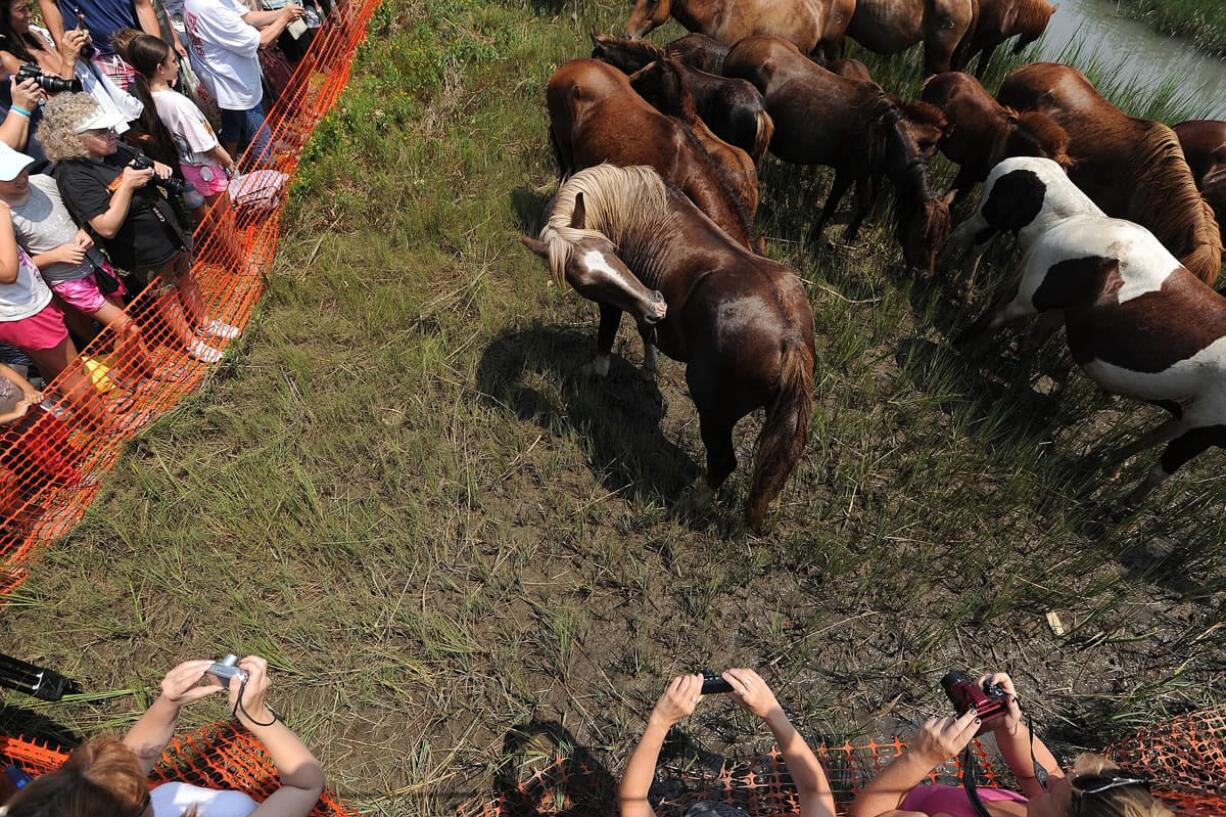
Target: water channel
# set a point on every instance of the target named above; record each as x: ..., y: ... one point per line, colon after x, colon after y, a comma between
x: 1136, y: 52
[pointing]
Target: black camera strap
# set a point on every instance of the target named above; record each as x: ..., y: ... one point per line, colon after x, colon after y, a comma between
x: 970, y: 771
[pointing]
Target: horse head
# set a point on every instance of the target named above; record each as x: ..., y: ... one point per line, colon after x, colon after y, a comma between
x: 1032, y: 19
x: 626, y: 55
x: 647, y: 15
x: 925, y: 124
x: 923, y: 217
x: 588, y: 260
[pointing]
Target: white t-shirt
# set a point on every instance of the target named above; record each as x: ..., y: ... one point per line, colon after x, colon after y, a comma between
x: 172, y: 799
x: 28, y: 295
x: 189, y: 128
x: 224, y: 52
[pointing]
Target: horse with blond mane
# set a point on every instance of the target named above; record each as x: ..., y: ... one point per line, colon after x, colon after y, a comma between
x: 741, y: 323
x: 1132, y: 168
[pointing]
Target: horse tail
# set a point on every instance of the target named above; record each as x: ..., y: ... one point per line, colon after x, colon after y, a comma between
x: 764, y: 133
x: 785, y: 431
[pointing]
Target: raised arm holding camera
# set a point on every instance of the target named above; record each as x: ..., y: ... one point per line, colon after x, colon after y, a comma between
x: 109, y: 776
x: 753, y: 694
x: 1094, y: 788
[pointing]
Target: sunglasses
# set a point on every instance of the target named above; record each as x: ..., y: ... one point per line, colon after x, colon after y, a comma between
x: 1099, y: 783
x: 144, y: 806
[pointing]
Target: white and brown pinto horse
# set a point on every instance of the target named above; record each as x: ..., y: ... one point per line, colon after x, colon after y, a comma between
x: 1138, y: 322
x: 741, y: 323
x: 808, y: 24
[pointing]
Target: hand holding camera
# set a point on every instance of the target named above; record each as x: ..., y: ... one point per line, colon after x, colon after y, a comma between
x: 73, y: 44
x: 26, y: 94
x: 135, y: 178
x: 939, y: 739
x: 679, y: 700
x: 248, y: 688
x: 182, y: 684
x: 752, y: 692
x: 989, y: 700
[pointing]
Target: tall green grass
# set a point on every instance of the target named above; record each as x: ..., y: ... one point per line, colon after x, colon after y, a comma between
x: 1201, y: 21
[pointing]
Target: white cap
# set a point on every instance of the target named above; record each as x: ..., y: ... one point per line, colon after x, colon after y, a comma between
x: 12, y: 163
x: 98, y: 120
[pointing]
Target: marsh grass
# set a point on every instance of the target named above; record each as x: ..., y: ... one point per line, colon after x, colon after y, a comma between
x: 401, y: 491
x: 1201, y: 21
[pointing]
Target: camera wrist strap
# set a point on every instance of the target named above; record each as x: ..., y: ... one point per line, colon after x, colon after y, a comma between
x: 970, y: 770
x: 238, y: 707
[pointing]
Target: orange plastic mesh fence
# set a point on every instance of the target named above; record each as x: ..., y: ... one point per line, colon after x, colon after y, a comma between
x: 1185, y: 757
x: 218, y: 756
x: 51, y: 461
x: 761, y: 786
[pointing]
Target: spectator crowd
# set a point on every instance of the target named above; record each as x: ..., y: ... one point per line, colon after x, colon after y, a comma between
x: 120, y: 125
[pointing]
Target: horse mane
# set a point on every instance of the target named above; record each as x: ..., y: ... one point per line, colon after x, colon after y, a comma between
x: 924, y: 113
x: 614, y: 198
x: 644, y: 49
x: 1174, y: 207
x: 1045, y: 134
x: 726, y: 185
x: 1032, y: 18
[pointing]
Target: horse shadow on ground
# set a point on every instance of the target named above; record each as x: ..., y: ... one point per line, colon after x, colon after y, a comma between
x: 563, y: 777
x: 535, y: 373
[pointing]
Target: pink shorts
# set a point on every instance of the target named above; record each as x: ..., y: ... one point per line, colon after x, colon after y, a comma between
x: 83, y: 294
x: 217, y: 183
x: 45, y: 330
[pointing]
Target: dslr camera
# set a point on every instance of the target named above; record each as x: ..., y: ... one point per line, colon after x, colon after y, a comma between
x: 226, y: 668
x: 50, y: 84
x: 989, y: 700
x: 173, y: 187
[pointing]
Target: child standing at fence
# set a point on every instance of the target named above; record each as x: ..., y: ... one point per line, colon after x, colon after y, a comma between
x: 177, y: 122
x: 65, y: 255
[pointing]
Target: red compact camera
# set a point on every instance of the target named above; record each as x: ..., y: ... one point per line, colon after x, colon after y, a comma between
x: 990, y: 701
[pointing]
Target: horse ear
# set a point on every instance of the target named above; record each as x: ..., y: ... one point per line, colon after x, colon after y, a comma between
x: 536, y: 245
x: 579, y: 214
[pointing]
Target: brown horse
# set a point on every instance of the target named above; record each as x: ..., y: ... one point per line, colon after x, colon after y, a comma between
x: 1132, y: 168
x: 854, y: 127
x: 663, y: 84
x: 699, y: 51
x: 982, y: 132
x: 1000, y: 20
x: 732, y: 108
x: 595, y: 116
x: 809, y: 24
x: 740, y: 322
x: 1204, y: 146
x: 891, y: 26
x: 849, y: 69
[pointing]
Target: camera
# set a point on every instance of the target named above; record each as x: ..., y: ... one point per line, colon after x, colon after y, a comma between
x: 989, y: 700
x: 87, y: 50
x: 712, y: 684
x: 170, y: 185
x: 173, y: 187
x: 50, y: 84
x: 227, y: 668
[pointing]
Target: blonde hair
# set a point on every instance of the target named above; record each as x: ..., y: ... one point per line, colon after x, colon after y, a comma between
x: 614, y: 198
x: 58, y: 134
x: 1122, y: 801
x: 101, y: 778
